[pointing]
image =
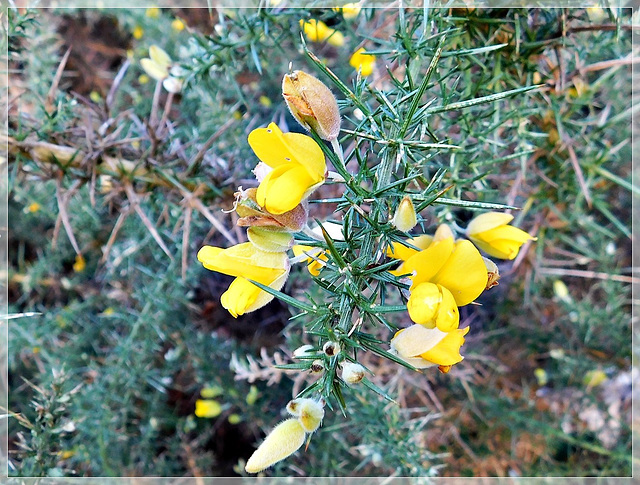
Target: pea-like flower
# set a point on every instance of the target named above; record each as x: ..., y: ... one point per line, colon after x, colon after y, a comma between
x: 362, y: 61
x: 349, y: 10
x: 161, y: 68
x: 317, y: 31
x: 297, y: 163
x: 425, y: 347
x: 456, y: 266
x: 246, y: 262
x: 492, y: 233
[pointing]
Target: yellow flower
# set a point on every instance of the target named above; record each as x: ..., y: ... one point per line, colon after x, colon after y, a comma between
x: 143, y: 79
x: 491, y: 233
x: 265, y: 101
x: 362, y: 61
x: 283, y: 440
x: 298, y: 167
x: 424, y: 347
x: 317, y: 257
x: 349, y: 10
x: 177, y: 25
x: 160, y: 67
x: 207, y: 408
x: 399, y: 251
x: 455, y: 265
x: 405, y: 217
x: 246, y: 262
x: 318, y: 31
x: 80, y: 264
x: 138, y: 32
x: 153, y: 12
x: 33, y: 207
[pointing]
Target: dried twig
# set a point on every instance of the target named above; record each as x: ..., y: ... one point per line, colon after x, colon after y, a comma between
x: 56, y: 80
x: 588, y: 274
x: 135, y: 203
x: 63, y: 215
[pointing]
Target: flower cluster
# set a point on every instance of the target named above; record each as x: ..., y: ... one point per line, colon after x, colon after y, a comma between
x: 292, y: 165
x: 437, y: 274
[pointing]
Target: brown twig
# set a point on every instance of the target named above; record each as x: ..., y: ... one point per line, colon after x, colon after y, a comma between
x: 588, y: 274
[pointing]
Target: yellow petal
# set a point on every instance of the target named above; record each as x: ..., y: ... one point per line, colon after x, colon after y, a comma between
x: 207, y: 408
x: 447, y: 351
x: 501, y: 242
x: 283, y: 188
x: 154, y: 70
x: 276, y: 148
x: 464, y: 273
x: 428, y: 262
x: 424, y: 303
x: 242, y: 296
x: 448, y: 317
x: 335, y: 38
x: 245, y: 260
x: 283, y: 440
x: 398, y: 250
x: 364, y: 62
x: 487, y: 221
x: 159, y: 57
x: 415, y: 340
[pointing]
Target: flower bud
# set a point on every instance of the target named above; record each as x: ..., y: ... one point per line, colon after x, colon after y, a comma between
x: 284, y: 440
x: 303, y: 351
x: 331, y: 348
x: 317, y: 366
x: 405, y: 217
x: 308, y: 411
x: 312, y: 104
x: 352, y: 373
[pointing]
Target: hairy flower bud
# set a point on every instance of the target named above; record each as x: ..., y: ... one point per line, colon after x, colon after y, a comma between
x: 331, y: 348
x: 283, y: 440
x: 317, y: 366
x: 352, y: 373
x: 312, y: 104
x: 405, y: 217
x: 271, y: 240
x: 252, y: 215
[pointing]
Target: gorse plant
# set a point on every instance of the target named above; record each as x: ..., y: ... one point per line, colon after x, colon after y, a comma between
x: 365, y: 259
x: 225, y: 218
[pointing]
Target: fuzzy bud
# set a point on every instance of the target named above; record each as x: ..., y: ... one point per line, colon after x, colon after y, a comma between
x: 352, y: 373
x: 312, y: 104
x: 308, y: 411
x: 284, y: 440
x: 405, y: 217
x: 331, y: 348
x: 317, y: 366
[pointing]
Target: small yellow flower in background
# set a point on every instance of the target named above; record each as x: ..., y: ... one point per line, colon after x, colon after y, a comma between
x: 405, y: 217
x: 362, y: 61
x: 252, y: 395
x: 66, y: 454
x: 95, y: 96
x: 80, y: 264
x: 234, y: 419
x: 138, y: 32
x: 561, y: 291
x: 541, y: 376
x: 245, y: 262
x: 107, y: 312
x: 143, y: 79
x: 160, y: 67
x: 32, y: 208
x: 265, y: 101
x: 153, y: 12
x: 157, y: 64
x: 317, y: 257
x: 492, y: 234
x: 208, y: 408
x: 425, y: 347
x: 594, y: 378
x: 177, y: 25
x: 211, y: 392
x: 312, y: 104
x: 284, y: 440
x: 349, y: 10
x: 298, y: 167
x: 318, y: 31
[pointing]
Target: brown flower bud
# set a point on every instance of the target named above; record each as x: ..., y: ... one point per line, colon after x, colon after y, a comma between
x: 312, y: 104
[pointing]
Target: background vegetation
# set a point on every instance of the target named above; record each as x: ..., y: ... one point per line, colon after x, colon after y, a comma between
x: 104, y: 379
